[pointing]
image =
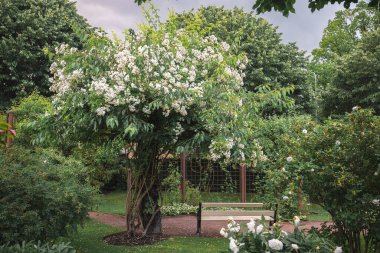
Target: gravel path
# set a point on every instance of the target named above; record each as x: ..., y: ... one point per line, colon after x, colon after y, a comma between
x: 186, y: 225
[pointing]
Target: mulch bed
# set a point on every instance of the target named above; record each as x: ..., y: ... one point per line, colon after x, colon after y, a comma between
x: 123, y: 238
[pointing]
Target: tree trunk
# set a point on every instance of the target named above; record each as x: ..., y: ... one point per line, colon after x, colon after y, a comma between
x: 151, y: 220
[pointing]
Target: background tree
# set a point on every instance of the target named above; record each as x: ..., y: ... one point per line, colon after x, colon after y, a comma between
x: 340, y: 38
x: 269, y: 60
x: 356, y: 82
x: 27, y: 27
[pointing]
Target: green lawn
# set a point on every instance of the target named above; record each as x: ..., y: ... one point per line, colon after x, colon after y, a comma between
x: 114, y: 203
x: 89, y: 240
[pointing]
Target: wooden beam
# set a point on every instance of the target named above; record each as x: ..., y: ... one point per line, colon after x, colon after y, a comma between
x: 183, y: 177
x: 243, y: 183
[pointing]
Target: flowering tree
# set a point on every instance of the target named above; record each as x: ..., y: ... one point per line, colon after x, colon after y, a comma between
x: 160, y: 91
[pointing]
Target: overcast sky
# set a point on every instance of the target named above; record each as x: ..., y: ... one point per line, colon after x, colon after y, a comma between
x: 304, y: 28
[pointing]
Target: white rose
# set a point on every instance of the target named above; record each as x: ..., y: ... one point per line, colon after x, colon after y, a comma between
x: 296, y: 220
x: 295, y: 247
x: 251, y: 226
x: 275, y: 244
x: 259, y: 229
x: 289, y: 159
x: 286, y: 198
x: 233, y: 246
x: 223, y: 233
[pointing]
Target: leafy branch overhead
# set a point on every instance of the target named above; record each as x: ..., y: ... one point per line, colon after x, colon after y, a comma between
x: 287, y: 6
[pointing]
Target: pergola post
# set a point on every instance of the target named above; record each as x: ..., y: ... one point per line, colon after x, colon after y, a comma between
x: 243, y: 183
x: 183, y: 177
x: 10, y: 121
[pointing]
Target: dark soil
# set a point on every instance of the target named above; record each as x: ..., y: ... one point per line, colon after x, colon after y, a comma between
x: 123, y: 238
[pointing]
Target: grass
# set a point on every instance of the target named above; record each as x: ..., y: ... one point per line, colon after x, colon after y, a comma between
x: 89, y: 240
x: 115, y: 202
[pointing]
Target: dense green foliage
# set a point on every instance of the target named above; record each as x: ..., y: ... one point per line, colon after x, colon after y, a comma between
x: 27, y: 28
x: 30, y: 247
x: 43, y: 195
x: 286, y: 6
x: 341, y: 159
x: 281, y: 185
x: 343, y: 53
x: 270, y: 61
x: 356, y: 81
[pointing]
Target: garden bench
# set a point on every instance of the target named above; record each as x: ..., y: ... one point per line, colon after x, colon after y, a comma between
x: 242, y: 215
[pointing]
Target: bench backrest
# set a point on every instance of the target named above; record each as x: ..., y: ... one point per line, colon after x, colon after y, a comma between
x: 243, y: 205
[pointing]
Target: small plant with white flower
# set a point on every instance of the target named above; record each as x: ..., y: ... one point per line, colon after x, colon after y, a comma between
x: 259, y: 238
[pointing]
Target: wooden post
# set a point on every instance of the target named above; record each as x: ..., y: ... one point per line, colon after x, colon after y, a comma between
x: 183, y: 177
x: 243, y: 183
x: 10, y: 121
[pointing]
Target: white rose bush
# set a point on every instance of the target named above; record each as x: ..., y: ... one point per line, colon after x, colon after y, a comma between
x: 159, y: 91
x: 259, y: 238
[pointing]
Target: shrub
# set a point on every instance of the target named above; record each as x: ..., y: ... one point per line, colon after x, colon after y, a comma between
x: 258, y: 238
x: 278, y: 136
x: 30, y: 247
x: 339, y: 164
x: 42, y: 196
x: 27, y: 110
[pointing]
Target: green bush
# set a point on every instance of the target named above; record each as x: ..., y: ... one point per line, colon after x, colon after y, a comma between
x: 28, y: 110
x: 279, y: 136
x: 30, y: 247
x: 42, y: 196
x: 171, y: 185
x: 338, y: 162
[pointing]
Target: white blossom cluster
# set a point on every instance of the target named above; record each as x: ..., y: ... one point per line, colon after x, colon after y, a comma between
x: 138, y: 72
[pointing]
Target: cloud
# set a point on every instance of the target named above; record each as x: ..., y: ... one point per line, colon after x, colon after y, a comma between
x: 304, y: 28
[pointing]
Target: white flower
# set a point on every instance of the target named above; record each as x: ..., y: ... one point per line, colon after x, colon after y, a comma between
x: 289, y: 159
x: 283, y: 169
x: 233, y: 246
x: 338, y: 250
x: 259, y: 229
x: 251, y: 226
x: 223, y: 233
x: 295, y: 247
x: 304, y: 131
x: 101, y: 111
x: 376, y: 202
x: 296, y: 220
x: 275, y: 244
x: 312, y: 170
x: 286, y: 198
x: 376, y: 173
x: 337, y: 143
x: 47, y: 114
x: 284, y: 233
x: 355, y: 108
